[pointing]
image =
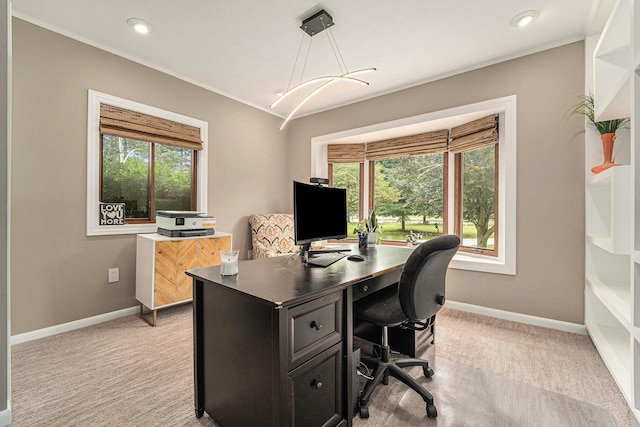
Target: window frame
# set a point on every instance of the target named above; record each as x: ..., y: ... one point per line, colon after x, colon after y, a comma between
x: 505, y: 107
x: 94, y: 155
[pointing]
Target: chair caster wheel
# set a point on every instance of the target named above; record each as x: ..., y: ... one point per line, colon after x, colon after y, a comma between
x: 428, y: 372
x: 364, y: 412
x: 432, y: 412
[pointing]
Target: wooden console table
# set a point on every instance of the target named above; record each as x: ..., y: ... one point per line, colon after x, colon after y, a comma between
x: 161, y: 263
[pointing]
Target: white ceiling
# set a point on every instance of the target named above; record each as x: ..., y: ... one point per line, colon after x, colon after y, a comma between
x: 245, y: 49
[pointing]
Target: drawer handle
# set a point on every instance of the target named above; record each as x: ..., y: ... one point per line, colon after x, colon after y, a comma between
x: 317, y: 384
x: 317, y: 326
x: 364, y: 288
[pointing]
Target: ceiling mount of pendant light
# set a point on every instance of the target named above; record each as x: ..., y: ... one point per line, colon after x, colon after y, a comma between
x: 312, y: 26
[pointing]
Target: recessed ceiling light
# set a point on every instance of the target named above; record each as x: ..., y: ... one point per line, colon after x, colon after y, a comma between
x: 525, y: 18
x: 140, y: 25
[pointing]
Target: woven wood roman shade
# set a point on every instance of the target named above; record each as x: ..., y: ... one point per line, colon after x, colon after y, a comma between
x: 345, y: 153
x: 414, y: 145
x: 125, y: 123
x: 475, y: 134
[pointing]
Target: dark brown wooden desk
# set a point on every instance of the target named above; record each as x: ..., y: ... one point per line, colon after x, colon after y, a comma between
x: 273, y: 345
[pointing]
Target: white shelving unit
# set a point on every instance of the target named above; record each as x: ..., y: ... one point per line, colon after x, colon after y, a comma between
x: 612, y: 204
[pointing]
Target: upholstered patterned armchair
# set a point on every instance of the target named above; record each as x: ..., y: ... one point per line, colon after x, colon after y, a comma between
x: 272, y: 235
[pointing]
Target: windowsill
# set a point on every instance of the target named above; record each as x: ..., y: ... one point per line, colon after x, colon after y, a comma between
x: 463, y: 260
x: 109, y: 230
x: 482, y: 263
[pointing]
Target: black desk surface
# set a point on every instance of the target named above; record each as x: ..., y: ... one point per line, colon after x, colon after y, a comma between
x: 284, y: 281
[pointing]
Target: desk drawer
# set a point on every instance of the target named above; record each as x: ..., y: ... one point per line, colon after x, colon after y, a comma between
x: 313, y: 327
x: 369, y: 286
x: 316, y: 390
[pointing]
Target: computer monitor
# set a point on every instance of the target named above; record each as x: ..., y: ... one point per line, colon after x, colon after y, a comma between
x: 319, y: 213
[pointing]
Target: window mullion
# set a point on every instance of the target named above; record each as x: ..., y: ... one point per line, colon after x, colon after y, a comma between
x: 445, y: 193
x: 457, y: 196
x: 372, y: 180
x: 194, y: 180
x: 496, y: 188
x: 152, y: 182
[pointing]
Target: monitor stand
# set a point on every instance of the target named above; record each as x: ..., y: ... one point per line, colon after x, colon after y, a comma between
x: 306, y: 251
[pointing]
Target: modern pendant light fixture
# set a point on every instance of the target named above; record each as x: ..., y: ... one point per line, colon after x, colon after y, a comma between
x: 313, y: 26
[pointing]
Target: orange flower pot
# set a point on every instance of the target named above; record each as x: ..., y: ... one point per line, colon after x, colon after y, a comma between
x: 608, y: 140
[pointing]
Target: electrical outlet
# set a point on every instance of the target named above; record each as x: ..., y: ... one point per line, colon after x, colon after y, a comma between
x: 114, y: 275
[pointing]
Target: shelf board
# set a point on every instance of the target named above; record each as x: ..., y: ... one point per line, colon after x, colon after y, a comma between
x: 605, y: 177
x: 603, y: 242
x: 615, y: 296
x: 606, y: 243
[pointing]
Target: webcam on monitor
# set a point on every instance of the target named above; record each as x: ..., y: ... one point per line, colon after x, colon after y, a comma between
x: 320, y: 181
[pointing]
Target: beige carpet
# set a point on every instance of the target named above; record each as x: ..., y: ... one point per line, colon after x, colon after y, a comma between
x: 560, y: 362
x: 126, y: 373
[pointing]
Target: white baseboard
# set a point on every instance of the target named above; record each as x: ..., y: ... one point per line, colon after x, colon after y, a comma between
x: 486, y: 311
x: 518, y: 317
x: 70, y: 326
x: 5, y: 416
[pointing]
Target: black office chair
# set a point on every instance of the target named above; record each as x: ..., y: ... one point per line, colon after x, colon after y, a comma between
x: 412, y: 304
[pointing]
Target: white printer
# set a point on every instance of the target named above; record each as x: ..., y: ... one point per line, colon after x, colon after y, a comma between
x: 184, y: 223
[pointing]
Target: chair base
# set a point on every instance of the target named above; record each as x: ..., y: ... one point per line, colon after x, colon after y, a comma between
x: 383, y: 368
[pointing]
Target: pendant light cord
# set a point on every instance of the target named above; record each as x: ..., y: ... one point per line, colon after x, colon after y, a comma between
x: 337, y: 53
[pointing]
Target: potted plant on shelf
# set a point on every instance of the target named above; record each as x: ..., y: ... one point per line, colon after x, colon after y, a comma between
x: 606, y: 128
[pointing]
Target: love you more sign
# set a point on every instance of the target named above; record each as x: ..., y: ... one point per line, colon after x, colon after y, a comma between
x: 112, y: 213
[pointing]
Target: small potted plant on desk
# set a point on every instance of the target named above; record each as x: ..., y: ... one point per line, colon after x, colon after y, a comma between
x: 412, y: 239
x: 368, y: 230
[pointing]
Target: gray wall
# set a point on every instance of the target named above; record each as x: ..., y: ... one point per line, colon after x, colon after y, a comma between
x: 58, y: 273
x: 550, y: 176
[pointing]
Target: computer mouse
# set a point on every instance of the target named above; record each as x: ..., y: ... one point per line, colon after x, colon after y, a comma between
x: 355, y: 257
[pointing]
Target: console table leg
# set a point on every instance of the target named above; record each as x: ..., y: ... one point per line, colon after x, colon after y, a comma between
x: 154, y: 316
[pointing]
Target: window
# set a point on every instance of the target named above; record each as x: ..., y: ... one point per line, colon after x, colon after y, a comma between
x: 147, y: 177
x: 408, y: 195
x: 410, y: 188
x: 474, y: 146
x: 428, y: 185
x: 147, y: 158
x: 475, y: 214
